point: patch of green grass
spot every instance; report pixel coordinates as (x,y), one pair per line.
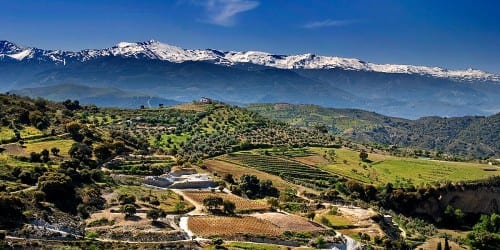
(334,221)
(8,160)
(64,145)
(27,132)
(402,171)
(6,133)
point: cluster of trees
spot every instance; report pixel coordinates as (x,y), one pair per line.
(71,105)
(485,234)
(213,204)
(28,176)
(11,208)
(251,187)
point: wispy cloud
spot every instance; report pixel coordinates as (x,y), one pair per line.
(224,12)
(326,23)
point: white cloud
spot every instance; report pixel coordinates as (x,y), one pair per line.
(326,23)
(223,12)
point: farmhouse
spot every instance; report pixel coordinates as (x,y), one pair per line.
(182,179)
(205,100)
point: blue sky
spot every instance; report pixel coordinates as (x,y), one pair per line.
(454,34)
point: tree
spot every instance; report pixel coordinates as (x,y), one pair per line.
(126,199)
(102,152)
(11,209)
(45,155)
(58,188)
(26,177)
(39,120)
(266,189)
(363,155)
(71,105)
(80,151)
(55,151)
(229,207)
(249,185)
(153,214)
(486,233)
(212,202)
(35,157)
(228,178)
(73,128)
(129,210)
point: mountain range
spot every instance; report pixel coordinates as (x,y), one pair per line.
(170,72)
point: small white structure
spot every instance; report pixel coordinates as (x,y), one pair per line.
(181,179)
(387,219)
(205,100)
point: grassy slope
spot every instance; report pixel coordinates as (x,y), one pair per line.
(386,168)
(382,169)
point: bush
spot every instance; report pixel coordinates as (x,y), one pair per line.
(129,210)
(126,199)
(91,235)
(153,214)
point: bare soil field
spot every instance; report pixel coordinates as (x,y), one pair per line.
(289,222)
(242,205)
(231,225)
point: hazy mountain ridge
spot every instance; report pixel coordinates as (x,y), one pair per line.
(104,97)
(183,75)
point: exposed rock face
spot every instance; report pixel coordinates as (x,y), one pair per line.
(478,201)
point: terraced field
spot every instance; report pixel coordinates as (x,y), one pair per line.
(206,226)
(242,205)
(402,171)
(290,170)
(289,222)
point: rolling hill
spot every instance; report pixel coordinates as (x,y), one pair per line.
(471,136)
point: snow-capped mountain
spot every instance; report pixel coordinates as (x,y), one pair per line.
(155,50)
(170,72)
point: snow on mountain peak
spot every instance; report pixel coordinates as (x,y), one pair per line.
(155,50)
(21,55)
(125,44)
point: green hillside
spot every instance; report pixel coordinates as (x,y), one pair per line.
(468,137)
